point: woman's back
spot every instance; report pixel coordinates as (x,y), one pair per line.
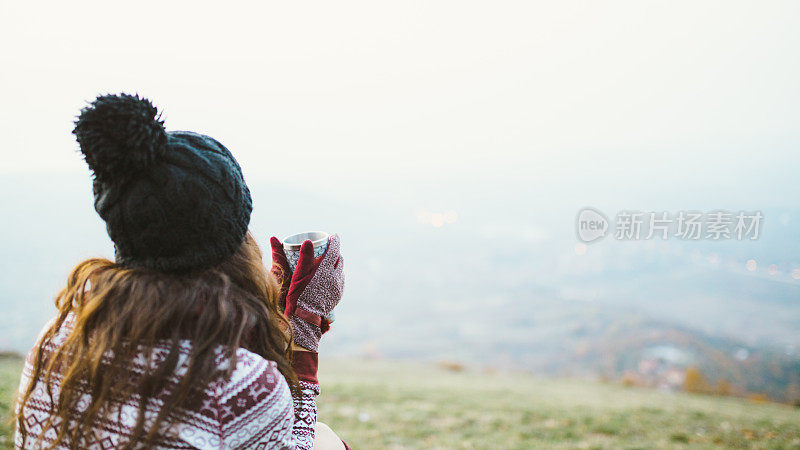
(254,407)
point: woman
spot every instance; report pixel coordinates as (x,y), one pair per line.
(186,340)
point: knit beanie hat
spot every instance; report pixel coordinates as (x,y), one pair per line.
(172,201)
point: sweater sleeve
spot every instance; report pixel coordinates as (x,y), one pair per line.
(305,416)
(305,404)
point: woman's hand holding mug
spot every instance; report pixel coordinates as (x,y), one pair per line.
(312,290)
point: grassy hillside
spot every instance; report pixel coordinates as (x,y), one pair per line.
(400,405)
(404,405)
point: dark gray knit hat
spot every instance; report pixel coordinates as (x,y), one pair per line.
(172,201)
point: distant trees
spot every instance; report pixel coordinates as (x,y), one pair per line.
(758,398)
(695,381)
(723,387)
(793,394)
(453,366)
(629,379)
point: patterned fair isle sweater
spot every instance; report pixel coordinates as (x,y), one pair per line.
(252,410)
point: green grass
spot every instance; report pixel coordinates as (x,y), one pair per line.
(403,405)
(10,369)
(375,405)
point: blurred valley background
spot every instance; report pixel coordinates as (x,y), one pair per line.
(451,145)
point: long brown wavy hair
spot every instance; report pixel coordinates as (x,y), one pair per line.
(119,314)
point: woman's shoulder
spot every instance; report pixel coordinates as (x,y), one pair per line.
(251,406)
(252,372)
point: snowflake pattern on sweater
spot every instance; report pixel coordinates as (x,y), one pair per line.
(254,409)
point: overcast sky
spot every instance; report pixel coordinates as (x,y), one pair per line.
(662,96)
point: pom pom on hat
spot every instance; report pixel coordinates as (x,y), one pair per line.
(120,135)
